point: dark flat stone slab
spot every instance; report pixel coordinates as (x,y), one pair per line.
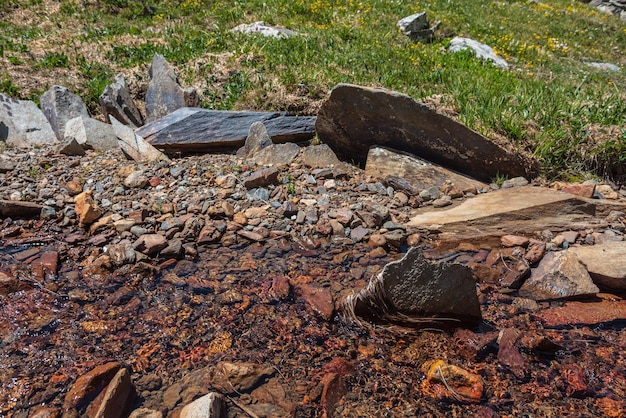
(200,130)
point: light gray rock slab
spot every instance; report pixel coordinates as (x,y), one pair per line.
(319,156)
(257,139)
(91,134)
(277,154)
(383,162)
(414,290)
(116,101)
(22,124)
(165,94)
(604,66)
(201,130)
(559,275)
(606,263)
(262,29)
(480,50)
(60,105)
(134,145)
(354,118)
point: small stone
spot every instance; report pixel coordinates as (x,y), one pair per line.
(318,299)
(446,381)
(514,182)
(87,210)
(514,241)
(262,178)
(136,180)
(150,244)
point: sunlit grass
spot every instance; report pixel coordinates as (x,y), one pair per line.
(548,103)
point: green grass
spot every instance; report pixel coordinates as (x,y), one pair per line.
(568,115)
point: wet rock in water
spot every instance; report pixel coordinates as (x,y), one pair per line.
(580,313)
(116,101)
(414,291)
(509,355)
(354,118)
(576,381)
(60,105)
(164,94)
(446,381)
(145,413)
(88,386)
(318,298)
(122,253)
(606,263)
(9,284)
(116,399)
(558,275)
(472,345)
(208,406)
(232,378)
(86,208)
(44,412)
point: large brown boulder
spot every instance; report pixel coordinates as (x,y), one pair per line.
(354,118)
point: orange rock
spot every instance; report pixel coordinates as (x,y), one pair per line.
(514,241)
(611,407)
(87,210)
(89,385)
(445,381)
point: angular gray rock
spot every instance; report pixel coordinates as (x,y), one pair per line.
(319,156)
(277,154)
(134,145)
(257,139)
(116,101)
(354,118)
(559,275)
(417,28)
(480,50)
(263,29)
(165,95)
(22,124)
(606,263)
(383,162)
(208,406)
(71,147)
(201,130)
(91,134)
(60,105)
(414,291)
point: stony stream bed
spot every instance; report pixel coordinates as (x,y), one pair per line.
(273,304)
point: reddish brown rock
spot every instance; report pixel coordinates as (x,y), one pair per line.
(89,385)
(280,288)
(446,381)
(580,313)
(509,355)
(45,412)
(86,209)
(74,187)
(150,244)
(262,178)
(535,252)
(9,284)
(334,388)
(317,298)
(116,399)
(210,233)
(472,345)
(47,264)
(514,241)
(582,190)
(576,382)
(239,377)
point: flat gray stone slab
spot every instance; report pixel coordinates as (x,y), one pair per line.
(509,211)
(354,118)
(200,130)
